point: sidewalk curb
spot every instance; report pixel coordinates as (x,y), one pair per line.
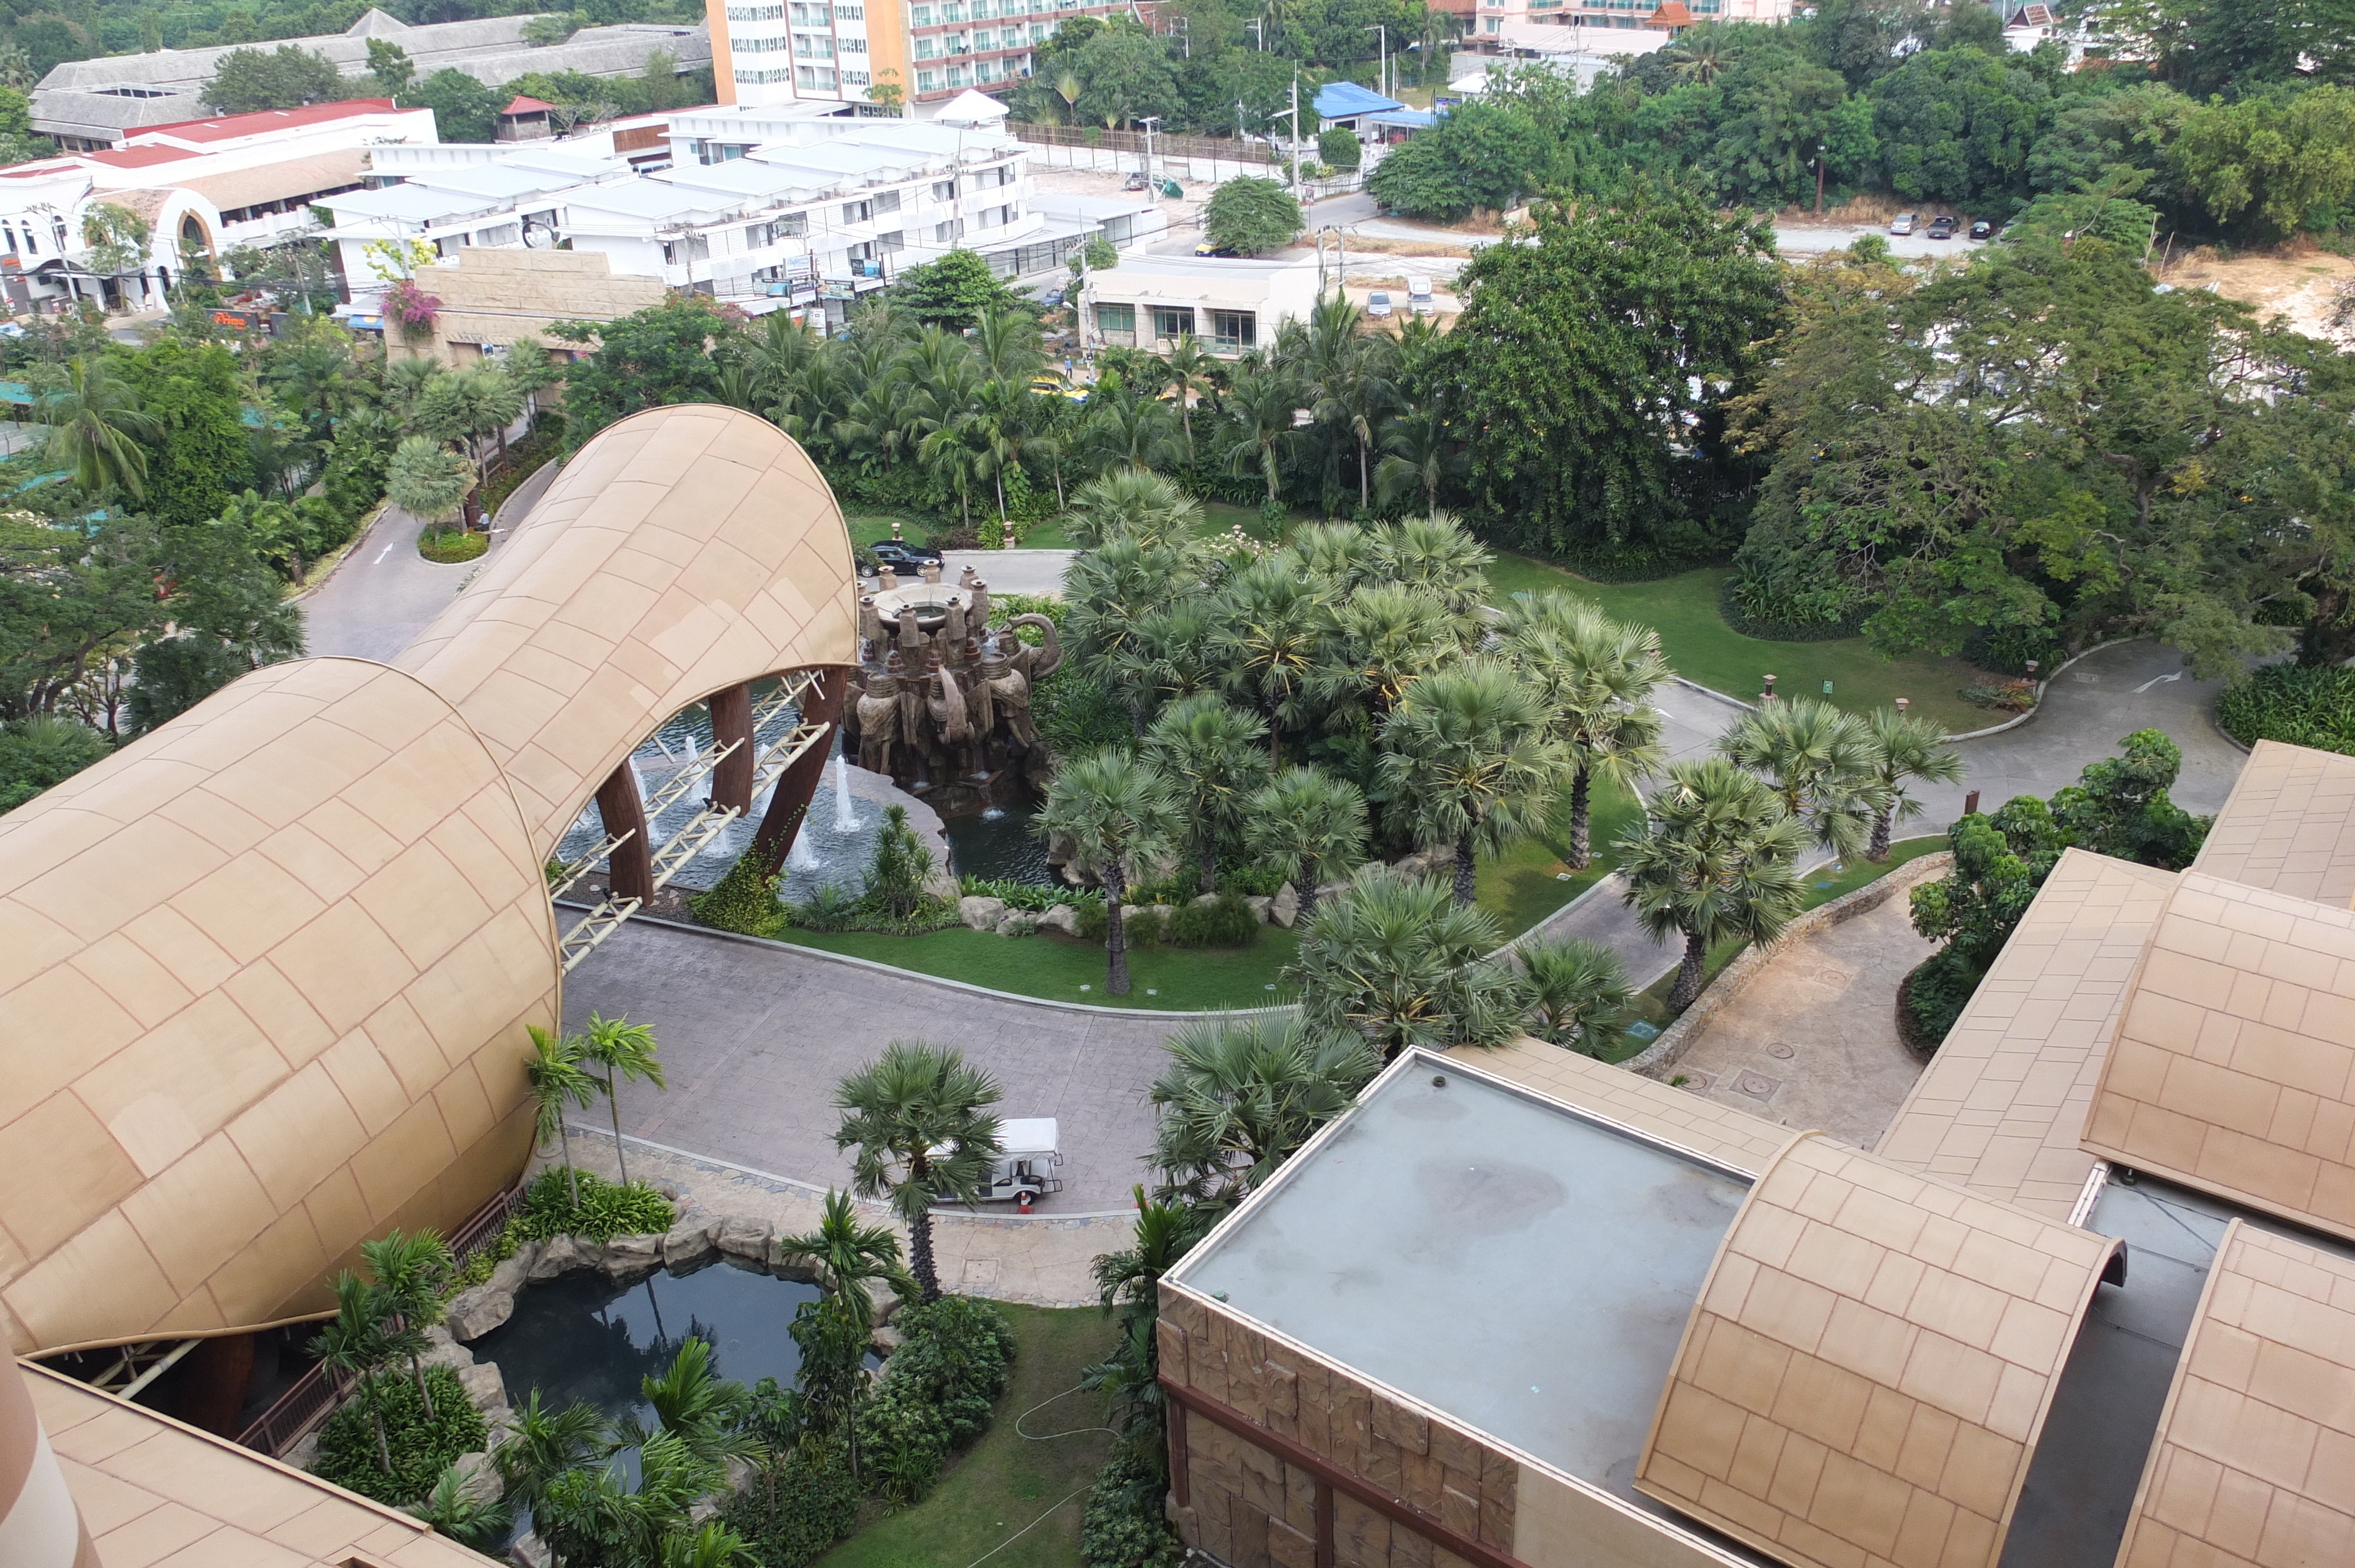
(2041,688)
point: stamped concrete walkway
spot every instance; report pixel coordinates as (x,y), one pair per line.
(1812,1042)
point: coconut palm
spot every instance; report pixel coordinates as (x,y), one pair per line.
(1819,762)
(1311,821)
(693,1404)
(1208,751)
(1192,369)
(1467,754)
(918,1116)
(98,430)
(428,481)
(413,1271)
(1241,1095)
(553,1070)
(624,1050)
(355,1343)
(1578,993)
(1125,426)
(1260,433)
(1715,860)
(1347,373)
(1417,454)
(1595,676)
(1396,959)
(1904,748)
(1111,809)
(848,1253)
(544,1445)
(1127,503)
(1272,638)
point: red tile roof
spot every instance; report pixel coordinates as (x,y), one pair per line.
(523,105)
(228,127)
(139,157)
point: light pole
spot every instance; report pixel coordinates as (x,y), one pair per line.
(1259,30)
(1384,75)
(1149,121)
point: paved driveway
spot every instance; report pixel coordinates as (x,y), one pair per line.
(754,1038)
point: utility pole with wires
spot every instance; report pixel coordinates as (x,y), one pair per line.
(1383,76)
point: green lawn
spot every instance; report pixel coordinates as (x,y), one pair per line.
(1703,649)
(873,528)
(1005,1481)
(1165,979)
(1823,885)
(1532,879)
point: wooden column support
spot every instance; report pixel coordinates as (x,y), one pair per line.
(731,719)
(631,866)
(788,802)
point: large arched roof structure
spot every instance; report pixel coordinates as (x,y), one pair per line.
(267,972)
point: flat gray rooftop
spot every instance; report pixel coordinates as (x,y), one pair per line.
(1491,1253)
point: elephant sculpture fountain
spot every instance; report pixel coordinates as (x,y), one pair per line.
(941,699)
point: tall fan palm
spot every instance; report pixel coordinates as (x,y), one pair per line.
(1904,748)
(1311,821)
(553,1070)
(1434,556)
(1595,676)
(1261,432)
(1467,750)
(1578,993)
(1338,556)
(1136,503)
(428,481)
(1381,640)
(624,1050)
(1241,1095)
(98,429)
(1715,859)
(1272,638)
(412,1270)
(1111,809)
(1820,764)
(1208,751)
(918,1116)
(1395,959)
(1110,591)
(849,1253)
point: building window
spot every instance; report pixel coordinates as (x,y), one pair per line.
(1172,322)
(946,233)
(1233,330)
(956,76)
(927,48)
(1117,324)
(944,190)
(886,201)
(854,78)
(850,12)
(926,80)
(854,45)
(886,244)
(858,211)
(1038,31)
(920,15)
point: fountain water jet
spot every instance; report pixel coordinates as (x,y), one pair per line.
(845,821)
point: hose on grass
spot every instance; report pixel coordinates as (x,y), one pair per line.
(1042,1437)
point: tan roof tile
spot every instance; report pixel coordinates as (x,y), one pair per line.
(2289,825)
(1912,1364)
(1733,1138)
(2254,1465)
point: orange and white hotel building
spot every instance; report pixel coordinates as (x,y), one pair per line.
(769,52)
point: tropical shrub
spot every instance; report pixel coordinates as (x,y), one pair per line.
(37,752)
(2302,704)
(450,546)
(797,1506)
(743,901)
(937,1393)
(1124,1526)
(421,1448)
(607,1209)
(1227,923)
(1034,896)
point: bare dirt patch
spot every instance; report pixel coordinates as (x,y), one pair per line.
(2297,281)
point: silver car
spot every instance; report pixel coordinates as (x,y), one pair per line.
(1903,223)
(1378,303)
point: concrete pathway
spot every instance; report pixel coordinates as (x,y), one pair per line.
(755,1036)
(1012,571)
(1812,1041)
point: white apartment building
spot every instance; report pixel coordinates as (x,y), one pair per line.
(767,210)
(766,53)
(214,184)
(1492,21)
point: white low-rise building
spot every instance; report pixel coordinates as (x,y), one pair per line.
(1230,305)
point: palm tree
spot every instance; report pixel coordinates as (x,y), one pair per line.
(1417,454)
(1129,1282)
(1382,639)
(1271,640)
(1110,591)
(713,1545)
(1260,433)
(624,1050)
(1127,503)
(428,481)
(848,1253)
(692,1403)
(1192,369)
(1820,763)
(1578,993)
(97,428)
(1904,748)
(1595,676)
(1241,1095)
(1309,821)
(1340,556)
(452,1509)
(553,1069)
(1716,859)
(1125,427)
(1396,959)
(1111,809)
(412,1272)
(544,1445)
(1209,752)
(1699,57)
(354,1343)
(1347,374)
(917,1115)
(1435,557)
(1467,750)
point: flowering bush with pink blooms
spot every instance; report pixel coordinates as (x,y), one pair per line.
(412,306)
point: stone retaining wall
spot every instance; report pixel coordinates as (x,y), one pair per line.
(1663,1053)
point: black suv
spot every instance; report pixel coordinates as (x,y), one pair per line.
(902,556)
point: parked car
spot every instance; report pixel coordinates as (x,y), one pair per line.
(902,556)
(1209,249)
(1418,295)
(1903,223)
(1051,298)
(1982,229)
(1378,303)
(1943,227)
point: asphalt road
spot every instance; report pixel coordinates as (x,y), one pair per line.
(382,595)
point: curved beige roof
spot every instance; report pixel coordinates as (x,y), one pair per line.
(2255,1465)
(266,972)
(2289,826)
(1872,1358)
(2234,1070)
(683,550)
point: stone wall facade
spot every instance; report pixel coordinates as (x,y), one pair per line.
(1243,1502)
(496,296)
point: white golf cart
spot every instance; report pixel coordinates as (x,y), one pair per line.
(1026,1165)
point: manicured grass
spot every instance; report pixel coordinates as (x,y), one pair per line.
(1528,882)
(1703,648)
(1824,884)
(873,528)
(1006,1480)
(1163,980)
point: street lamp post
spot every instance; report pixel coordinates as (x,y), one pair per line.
(1384,75)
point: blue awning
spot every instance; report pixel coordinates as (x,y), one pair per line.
(1348,101)
(1407,119)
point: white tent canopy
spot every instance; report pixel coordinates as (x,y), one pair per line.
(971,108)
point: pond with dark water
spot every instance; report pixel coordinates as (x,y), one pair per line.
(999,845)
